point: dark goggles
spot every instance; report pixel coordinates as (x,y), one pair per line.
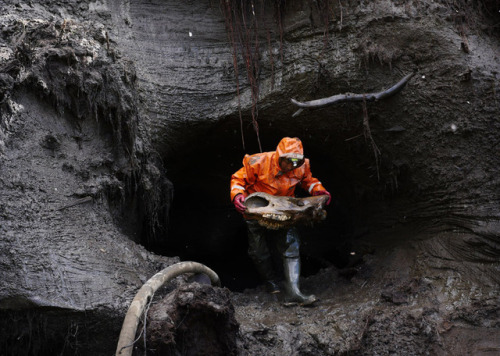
(295,162)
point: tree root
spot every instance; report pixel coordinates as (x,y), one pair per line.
(339,98)
(136,309)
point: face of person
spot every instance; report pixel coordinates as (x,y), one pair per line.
(286,165)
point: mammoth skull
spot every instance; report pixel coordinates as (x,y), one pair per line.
(277,212)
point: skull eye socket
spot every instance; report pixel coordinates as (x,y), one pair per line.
(256,202)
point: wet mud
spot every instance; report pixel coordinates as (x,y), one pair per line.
(195,319)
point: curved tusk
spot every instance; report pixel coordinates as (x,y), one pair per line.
(319,103)
(129,327)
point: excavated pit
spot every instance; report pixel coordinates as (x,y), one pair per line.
(204,226)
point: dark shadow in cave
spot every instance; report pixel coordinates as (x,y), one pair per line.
(205,227)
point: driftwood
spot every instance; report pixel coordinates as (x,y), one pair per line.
(277,212)
(136,309)
(339,98)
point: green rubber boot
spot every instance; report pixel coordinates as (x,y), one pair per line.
(266,272)
(291,268)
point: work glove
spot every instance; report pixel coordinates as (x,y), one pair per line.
(323,192)
(238,203)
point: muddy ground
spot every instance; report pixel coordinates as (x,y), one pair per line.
(120,128)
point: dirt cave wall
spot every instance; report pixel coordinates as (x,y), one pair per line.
(423,176)
(68,156)
(438,140)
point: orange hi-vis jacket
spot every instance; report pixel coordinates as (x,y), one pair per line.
(261,173)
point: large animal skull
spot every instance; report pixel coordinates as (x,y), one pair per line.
(277,212)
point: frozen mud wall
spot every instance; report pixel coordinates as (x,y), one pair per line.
(107,108)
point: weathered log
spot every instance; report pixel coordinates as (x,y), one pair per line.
(339,98)
(129,327)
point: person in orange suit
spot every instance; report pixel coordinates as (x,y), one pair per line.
(278,173)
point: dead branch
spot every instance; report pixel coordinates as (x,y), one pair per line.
(339,98)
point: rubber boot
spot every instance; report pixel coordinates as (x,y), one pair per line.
(291,268)
(266,272)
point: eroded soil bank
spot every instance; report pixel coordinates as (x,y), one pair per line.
(119,131)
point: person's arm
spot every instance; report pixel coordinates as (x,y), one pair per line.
(239,183)
(246,175)
(241,180)
(313,185)
(238,189)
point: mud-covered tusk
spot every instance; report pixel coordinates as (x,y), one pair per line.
(129,327)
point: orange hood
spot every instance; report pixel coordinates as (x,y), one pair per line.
(289,145)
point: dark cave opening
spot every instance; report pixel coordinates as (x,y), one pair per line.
(205,227)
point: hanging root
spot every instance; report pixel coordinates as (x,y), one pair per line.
(129,327)
(368,136)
